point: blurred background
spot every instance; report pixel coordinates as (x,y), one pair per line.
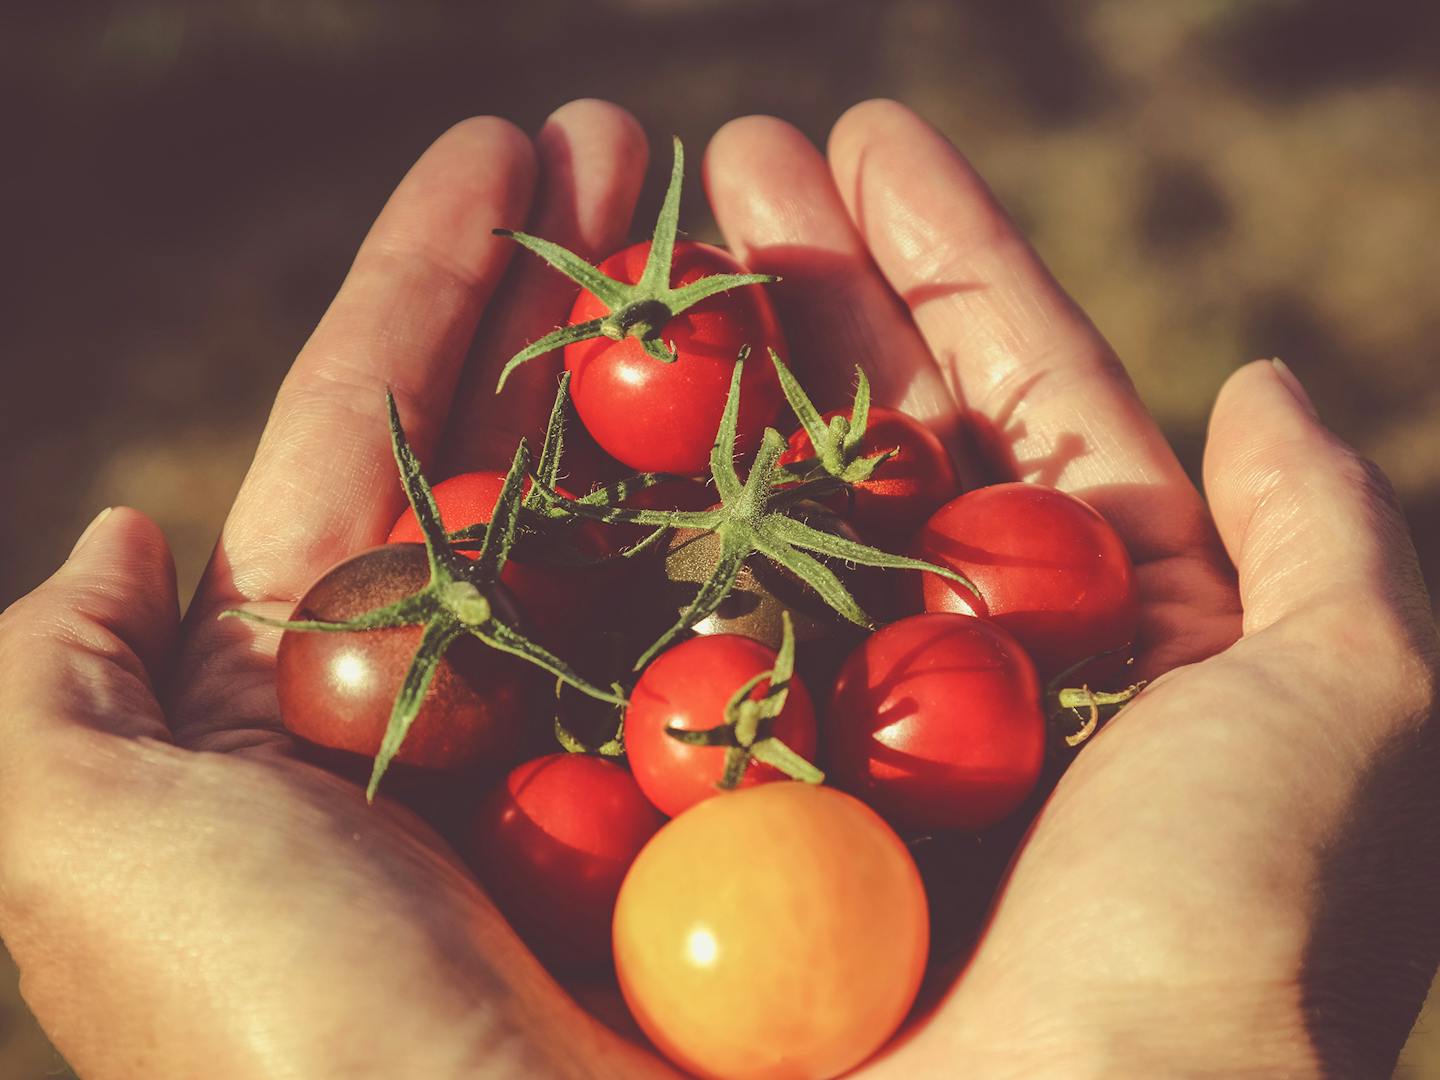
(1214,180)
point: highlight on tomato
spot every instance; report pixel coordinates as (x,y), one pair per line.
(691,690)
(1049,569)
(779,930)
(937,722)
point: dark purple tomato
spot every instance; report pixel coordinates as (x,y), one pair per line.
(337,689)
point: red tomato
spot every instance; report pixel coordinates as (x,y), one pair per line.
(906,488)
(337,689)
(552,844)
(778,931)
(936,722)
(547,594)
(659,417)
(688,687)
(1051,570)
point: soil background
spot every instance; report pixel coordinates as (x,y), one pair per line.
(185,183)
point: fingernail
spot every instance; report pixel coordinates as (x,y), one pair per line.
(91,528)
(1293,385)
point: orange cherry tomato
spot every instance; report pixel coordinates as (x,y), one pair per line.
(772,932)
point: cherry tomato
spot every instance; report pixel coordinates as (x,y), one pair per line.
(777,931)
(688,687)
(660,417)
(936,722)
(905,489)
(552,844)
(337,689)
(1051,570)
(547,593)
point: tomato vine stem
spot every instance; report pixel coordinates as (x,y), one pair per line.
(754,517)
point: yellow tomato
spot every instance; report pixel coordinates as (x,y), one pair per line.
(775,931)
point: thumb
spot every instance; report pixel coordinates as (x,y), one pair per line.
(96,639)
(1307,521)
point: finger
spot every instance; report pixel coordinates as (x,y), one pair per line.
(592,162)
(775,201)
(1048,397)
(1308,522)
(87,648)
(323,482)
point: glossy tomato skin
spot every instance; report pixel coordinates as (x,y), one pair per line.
(936,722)
(659,417)
(547,593)
(688,687)
(552,844)
(775,931)
(1050,570)
(337,689)
(903,491)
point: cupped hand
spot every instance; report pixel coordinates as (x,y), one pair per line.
(1238,875)
(183,895)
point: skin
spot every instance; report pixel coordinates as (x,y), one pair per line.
(1241,867)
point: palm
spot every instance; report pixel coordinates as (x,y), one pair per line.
(1190,604)
(247,912)
(1209,795)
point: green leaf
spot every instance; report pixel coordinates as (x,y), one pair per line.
(801,405)
(417,489)
(568,742)
(687,296)
(778,755)
(566,335)
(409,611)
(859,414)
(818,576)
(651,539)
(658,350)
(680,519)
(712,593)
(500,532)
(801,535)
(755,495)
(741,695)
(548,468)
(617,491)
(736,758)
(656,277)
(782,672)
(433,643)
(722,450)
(606,289)
(499,636)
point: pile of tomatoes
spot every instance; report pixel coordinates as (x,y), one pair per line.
(693,697)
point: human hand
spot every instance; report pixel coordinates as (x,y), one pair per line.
(238,912)
(1240,875)
(183,895)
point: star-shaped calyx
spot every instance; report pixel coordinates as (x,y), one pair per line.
(640,310)
(755,517)
(463,596)
(745,732)
(836,444)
